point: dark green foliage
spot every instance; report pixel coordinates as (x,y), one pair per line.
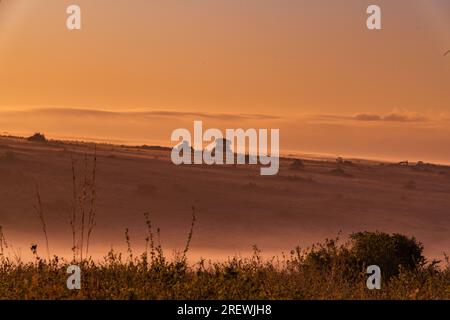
(389,252)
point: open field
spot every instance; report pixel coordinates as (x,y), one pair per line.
(236,207)
(143,210)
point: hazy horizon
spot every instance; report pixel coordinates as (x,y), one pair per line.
(299,135)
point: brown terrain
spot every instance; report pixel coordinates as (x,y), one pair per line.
(236,207)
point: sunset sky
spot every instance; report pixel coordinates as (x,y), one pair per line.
(139,69)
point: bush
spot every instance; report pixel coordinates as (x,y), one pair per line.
(37,137)
(389,252)
(297,164)
(9,155)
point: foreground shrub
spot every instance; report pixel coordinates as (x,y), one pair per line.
(326,271)
(389,252)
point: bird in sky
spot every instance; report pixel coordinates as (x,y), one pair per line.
(446,53)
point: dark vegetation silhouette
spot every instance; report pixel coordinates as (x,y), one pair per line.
(37,137)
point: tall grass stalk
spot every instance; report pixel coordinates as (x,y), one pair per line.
(40,213)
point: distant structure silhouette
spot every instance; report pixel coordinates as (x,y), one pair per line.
(221,150)
(223,146)
(183,144)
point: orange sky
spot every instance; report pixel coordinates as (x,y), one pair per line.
(142,68)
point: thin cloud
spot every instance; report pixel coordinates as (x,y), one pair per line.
(367,117)
(395,116)
(146,113)
(399,116)
(328,117)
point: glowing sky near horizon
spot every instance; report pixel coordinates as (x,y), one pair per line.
(312,67)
